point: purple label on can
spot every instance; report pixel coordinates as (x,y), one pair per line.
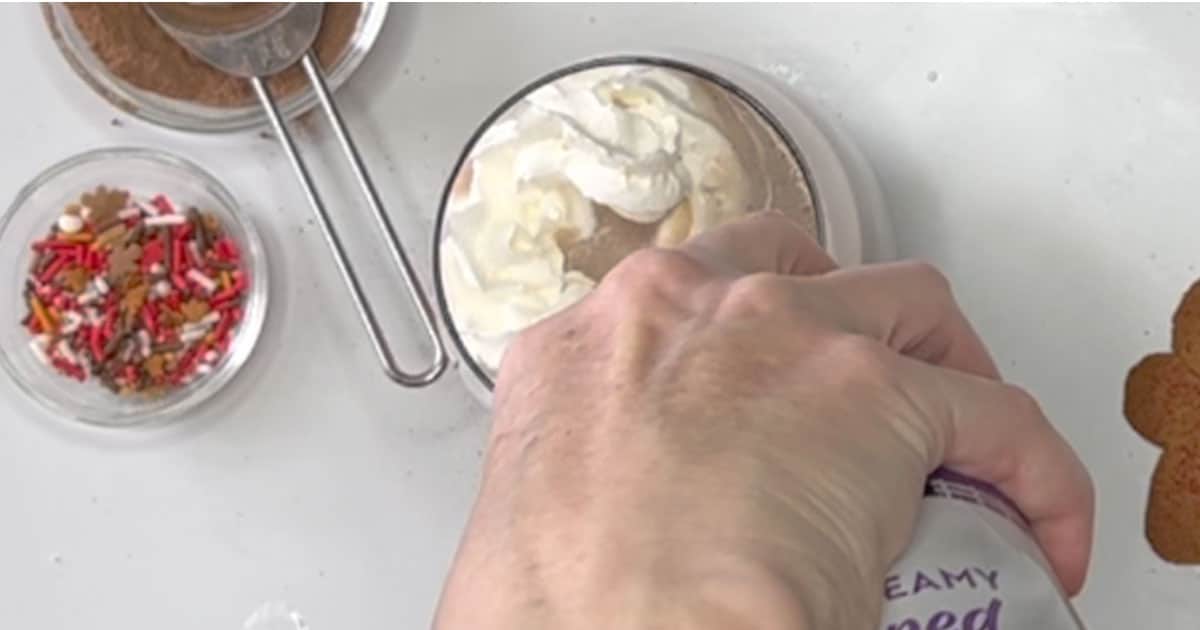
(948,484)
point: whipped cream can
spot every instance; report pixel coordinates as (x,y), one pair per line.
(973,565)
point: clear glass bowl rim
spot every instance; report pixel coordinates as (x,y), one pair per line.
(129,99)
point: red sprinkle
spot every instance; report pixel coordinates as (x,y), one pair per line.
(185,366)
(190,257)
(150,318)
(110,322)
(162,204)
(52,270)
(152,253)
(224,326)
(53,244)
(224,298)
(227,250)
(97,343)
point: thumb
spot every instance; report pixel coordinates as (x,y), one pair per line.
(997,433)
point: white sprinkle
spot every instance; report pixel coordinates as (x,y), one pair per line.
(72,322)
(39,351)
(206,283)
(92,315)
(86,213)
(146,208)
(132,212)
(144,341)
(88,296)
(67,353)
(162,288)
(101,285)
(202,369)
(194,327)
(70,223)
(210,319)
(157,269)
(193,335)
(165,219)
(211,356)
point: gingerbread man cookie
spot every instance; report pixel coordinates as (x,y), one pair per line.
(1162,403)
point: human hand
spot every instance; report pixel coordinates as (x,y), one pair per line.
(735,435)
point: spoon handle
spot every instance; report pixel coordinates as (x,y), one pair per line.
(382,349)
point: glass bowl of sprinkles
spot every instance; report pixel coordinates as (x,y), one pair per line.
(135,287)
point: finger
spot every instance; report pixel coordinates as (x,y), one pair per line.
(910,307)
(997,433)
(761,242)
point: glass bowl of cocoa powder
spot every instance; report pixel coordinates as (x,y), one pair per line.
(122,54)
(111,182)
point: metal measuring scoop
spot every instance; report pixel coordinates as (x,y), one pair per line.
(257,44)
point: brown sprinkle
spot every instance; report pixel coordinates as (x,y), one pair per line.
(123,261)
(202,235)
(134,235)
(194,310)
(134,298)
(75,279)
(155,366)
(110,234)
(105,203)
(167,349)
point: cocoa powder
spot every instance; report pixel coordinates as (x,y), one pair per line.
(136,50)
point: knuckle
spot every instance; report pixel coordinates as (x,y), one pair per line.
(859,358)
(1022,402)
(928,275)
(647,272)
(757,293)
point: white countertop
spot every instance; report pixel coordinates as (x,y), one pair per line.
(1045,156)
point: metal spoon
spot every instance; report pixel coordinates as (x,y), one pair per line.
(259,46)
